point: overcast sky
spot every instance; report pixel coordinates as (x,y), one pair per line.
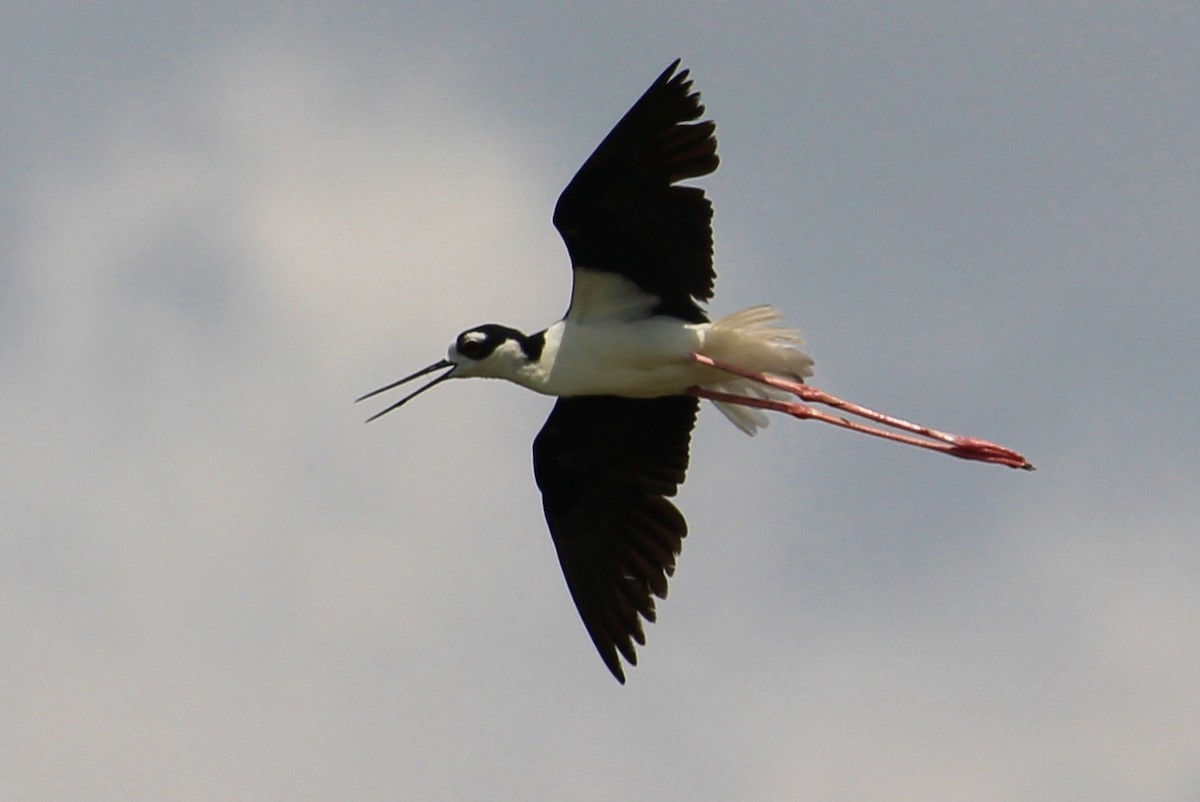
(220,226)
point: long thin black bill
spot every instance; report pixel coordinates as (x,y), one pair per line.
(435,366)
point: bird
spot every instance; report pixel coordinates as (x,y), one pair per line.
(631,359)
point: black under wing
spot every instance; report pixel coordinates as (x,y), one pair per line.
(622,212)
(605,466)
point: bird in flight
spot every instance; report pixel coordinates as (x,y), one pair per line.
(632,357)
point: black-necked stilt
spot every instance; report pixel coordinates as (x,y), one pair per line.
(633,355)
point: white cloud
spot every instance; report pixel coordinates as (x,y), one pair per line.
(197,503)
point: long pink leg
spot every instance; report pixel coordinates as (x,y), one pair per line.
(955,445)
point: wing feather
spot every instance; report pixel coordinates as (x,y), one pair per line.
(623,213)
(605,466)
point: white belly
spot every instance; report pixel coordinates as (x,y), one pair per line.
(653,356)
(639,359)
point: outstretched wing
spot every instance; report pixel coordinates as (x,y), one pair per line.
(623,213)
(605,466)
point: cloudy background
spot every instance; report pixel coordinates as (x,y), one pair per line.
(219,226)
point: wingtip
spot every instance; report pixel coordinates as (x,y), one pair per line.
(675,74)
(613,663)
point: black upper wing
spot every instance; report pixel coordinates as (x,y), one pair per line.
(604,465)
(622,214)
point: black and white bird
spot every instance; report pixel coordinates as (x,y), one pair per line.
(631,358)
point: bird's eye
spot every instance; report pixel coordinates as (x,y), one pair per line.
(470,347)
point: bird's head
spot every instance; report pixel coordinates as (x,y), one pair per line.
(489,351)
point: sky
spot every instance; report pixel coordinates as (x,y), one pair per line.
(220,223)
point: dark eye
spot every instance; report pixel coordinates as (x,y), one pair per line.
(470,347)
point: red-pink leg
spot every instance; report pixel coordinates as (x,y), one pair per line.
(955,445)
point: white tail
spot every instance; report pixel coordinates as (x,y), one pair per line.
(748,339)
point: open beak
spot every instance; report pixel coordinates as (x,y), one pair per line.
(443,363)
